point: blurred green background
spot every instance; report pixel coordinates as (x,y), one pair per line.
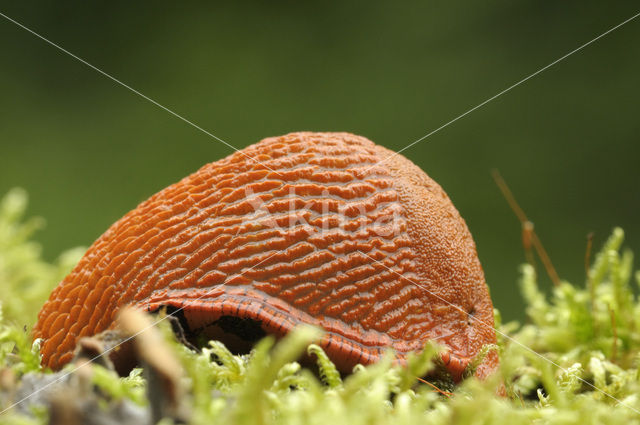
(567,141)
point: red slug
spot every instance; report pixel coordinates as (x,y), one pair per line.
(326,229)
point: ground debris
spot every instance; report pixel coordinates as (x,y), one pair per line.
(70,399)
(161,368)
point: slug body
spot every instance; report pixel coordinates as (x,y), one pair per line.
(326,229)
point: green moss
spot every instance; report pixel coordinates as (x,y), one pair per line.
(575,360)
(25,279)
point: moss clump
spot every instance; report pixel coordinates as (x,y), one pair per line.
(576,360)
(25,279)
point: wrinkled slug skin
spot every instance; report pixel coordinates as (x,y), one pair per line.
(374,253)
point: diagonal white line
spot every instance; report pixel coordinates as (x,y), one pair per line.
(60,378)
(109,76)
(505,90)
(501,333)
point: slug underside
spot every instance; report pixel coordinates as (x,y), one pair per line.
(326,229)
